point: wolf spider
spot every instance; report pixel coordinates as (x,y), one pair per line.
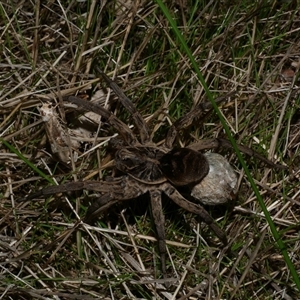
(148,168)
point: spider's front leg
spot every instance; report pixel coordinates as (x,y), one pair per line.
(121,188)
(139,121)
(116,190)
(121,127)
(198,112)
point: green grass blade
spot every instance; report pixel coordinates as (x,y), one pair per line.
(31,165)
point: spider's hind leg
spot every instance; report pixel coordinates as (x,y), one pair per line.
(159,220)
(173,194)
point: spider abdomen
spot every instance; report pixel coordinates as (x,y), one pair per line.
(184,166)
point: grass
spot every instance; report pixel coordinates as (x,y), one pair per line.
(51,50)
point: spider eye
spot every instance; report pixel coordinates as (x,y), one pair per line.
(184,166)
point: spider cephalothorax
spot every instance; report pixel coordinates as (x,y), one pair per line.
(148,168)
(141,163)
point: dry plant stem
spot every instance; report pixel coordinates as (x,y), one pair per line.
(254,255)
(37,96)
(183,277)
(10,136)
(9,116)
(52,66)
(134,7)
(263,85)
(139,236)
(141,265)
(138,52)
(35,48)
(282,114)
(85,38)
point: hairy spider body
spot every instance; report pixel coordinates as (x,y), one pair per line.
(152,169)
(141,163)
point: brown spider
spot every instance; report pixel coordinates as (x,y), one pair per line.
(153,169)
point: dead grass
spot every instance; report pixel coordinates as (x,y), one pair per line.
(49,51)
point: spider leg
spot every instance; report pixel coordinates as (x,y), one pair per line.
(116,190)
(121,187)
(185,121)
(159,220)
(219,142)
(56,189)
(127,103)
(102,203)
(171,192)
(121,127)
